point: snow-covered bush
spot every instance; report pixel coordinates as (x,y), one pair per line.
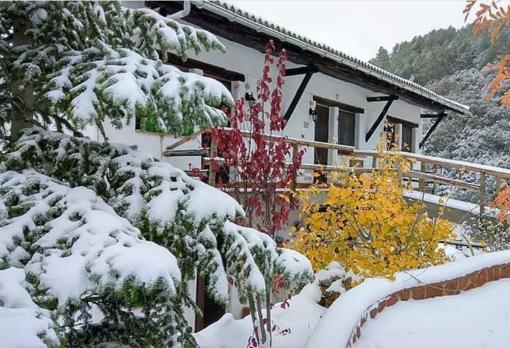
(292,320)
(23,323)
(292,323)
(77,253)
(334,281)
(490,232)
(86,207)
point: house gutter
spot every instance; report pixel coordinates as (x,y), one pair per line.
(186,9)
(221,11)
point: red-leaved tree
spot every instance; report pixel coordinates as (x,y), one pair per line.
(259,162)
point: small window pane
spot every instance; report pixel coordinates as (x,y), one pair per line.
(346,124)
(407,138)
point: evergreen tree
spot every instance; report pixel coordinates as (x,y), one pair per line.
(441,53)
(78,63)
(456,64)
(100,239)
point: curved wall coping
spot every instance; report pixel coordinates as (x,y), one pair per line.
(340,325)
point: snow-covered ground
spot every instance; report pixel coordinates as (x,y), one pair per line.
(477,318)
(292,322)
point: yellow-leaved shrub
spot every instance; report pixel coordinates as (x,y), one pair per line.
(364,222)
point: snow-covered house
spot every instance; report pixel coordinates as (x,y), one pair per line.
(328,96)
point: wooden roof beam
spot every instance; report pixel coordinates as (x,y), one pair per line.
(311,69)
(432,129)
(382,98)
(436,115)
(389,100)
(301,70)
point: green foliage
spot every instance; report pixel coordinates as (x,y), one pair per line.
(167,206)
(73,229)
(87,62)
(442,52)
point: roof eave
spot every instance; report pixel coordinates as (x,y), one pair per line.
(353,62)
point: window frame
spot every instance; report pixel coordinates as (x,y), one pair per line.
(409,125)
(342,107)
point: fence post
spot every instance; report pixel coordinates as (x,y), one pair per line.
(482,193)
(421,185)
(212,155)
(498,184)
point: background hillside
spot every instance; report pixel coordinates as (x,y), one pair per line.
(456,64)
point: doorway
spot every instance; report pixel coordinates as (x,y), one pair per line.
(322,135)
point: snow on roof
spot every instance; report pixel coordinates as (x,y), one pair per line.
(249,20)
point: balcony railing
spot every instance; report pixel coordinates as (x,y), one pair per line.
(426,172)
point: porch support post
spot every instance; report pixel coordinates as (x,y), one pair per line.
(389,100)
(432,129)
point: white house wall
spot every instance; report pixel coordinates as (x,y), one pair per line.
(249,62)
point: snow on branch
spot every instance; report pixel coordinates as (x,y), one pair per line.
(119,83)
(23,323)
(132,182)
(73,23)
(187,216)
(155,32)
(73,243)
(90,61)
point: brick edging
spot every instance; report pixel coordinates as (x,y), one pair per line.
(444,288)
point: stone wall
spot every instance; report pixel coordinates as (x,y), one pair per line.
(425,291)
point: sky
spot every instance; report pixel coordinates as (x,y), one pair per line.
(359,27)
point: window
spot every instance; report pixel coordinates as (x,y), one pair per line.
(407,138)
(346,132)
(404,140)
(346,128)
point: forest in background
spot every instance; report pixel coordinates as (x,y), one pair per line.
(458,65)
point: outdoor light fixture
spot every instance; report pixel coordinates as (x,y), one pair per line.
(312,111)
(248,96)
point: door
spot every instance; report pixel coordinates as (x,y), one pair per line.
(403,140)
(322,135)
(391,134)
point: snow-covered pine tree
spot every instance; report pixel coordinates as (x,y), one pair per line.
(82,261)
(76,215)
(76,63)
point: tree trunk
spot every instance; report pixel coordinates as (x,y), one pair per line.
(22,105)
